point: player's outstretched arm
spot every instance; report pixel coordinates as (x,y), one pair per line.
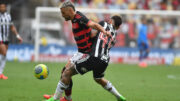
(93,33)
(98,27)
(13,29)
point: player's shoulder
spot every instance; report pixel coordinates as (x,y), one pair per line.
(102,23)
(8,14)
(5,14)
(79,15)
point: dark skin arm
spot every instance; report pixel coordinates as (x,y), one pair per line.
(13,29)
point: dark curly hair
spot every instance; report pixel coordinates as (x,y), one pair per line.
(117,20)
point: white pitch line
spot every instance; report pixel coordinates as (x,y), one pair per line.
(170,76)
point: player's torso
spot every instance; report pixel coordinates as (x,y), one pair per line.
(5,22)
(102,43)
(142,34)
(81,34)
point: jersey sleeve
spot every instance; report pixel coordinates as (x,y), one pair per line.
(10,19)
(101,23)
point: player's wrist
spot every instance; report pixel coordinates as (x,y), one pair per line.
(105,32)
(18,36)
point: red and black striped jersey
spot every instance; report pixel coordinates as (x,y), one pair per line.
(82,32)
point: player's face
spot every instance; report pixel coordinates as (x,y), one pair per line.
(66,14)
(2,8)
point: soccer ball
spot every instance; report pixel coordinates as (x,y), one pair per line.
(41,71)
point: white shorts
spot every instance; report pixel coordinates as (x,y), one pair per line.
(79,58)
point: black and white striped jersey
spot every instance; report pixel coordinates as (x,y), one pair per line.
(102,44)
(5,23)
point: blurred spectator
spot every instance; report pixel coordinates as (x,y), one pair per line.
(162,32)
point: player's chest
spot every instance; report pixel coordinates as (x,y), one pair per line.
(4,18)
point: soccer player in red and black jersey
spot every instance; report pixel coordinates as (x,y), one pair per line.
(82,27)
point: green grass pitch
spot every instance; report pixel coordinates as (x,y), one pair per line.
(155,83)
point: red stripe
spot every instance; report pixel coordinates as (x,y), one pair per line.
(89,44)
(78,16)
(75,25)
(83,40)
(88,22)
(82,32)
(88,50)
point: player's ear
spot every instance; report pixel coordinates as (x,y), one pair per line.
(70,9)
(111,21)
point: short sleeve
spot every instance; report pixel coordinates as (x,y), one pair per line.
(9,18)
(101,23)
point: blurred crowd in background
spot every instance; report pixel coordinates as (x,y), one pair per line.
(130,4)
(163,31)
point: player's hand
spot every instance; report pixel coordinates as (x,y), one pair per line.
(19,38)
(108,33)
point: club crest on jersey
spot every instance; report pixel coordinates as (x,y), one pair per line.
(75,25)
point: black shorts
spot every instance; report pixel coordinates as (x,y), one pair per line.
(88,63)
(4,42)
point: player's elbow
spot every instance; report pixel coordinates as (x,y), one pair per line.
(93,25)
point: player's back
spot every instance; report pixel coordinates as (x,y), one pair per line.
(102,43)
(142,37)
(82,32)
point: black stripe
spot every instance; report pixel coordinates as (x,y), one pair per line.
(84,50)
(6,26)
(2,31)
(82,44)
(0,27)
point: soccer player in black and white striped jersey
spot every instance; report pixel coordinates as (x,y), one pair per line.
(99,56)
(102,43)
(91,58)
(5,26)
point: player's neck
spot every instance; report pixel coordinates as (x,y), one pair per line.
(2,12)
(73,15)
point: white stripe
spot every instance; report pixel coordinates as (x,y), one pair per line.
(4,30)
(0,29)
(97,47)
(102,52)
(83,59)
(98,42)
(7,27)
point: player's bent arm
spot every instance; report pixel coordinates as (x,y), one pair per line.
(93,33)
(13,29)
(98,27)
